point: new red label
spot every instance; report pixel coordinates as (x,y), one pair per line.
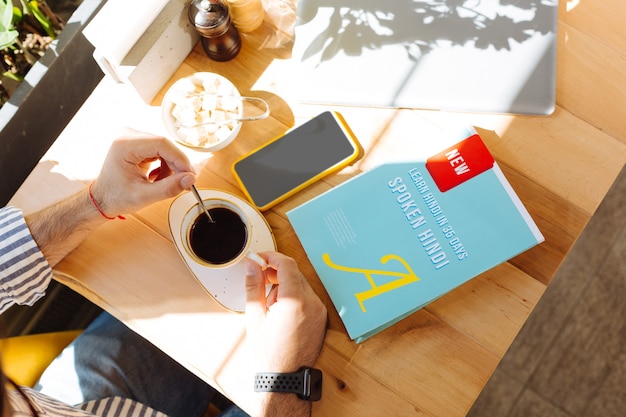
(459,163)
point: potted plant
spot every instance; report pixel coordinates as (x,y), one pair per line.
(26,31)
(44,96)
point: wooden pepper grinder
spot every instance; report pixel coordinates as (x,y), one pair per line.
(220,38)
(247,15)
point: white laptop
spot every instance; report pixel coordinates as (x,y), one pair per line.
(458,55)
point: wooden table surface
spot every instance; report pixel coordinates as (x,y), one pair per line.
(433,363)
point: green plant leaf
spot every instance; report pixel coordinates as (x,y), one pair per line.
(8,38)
(6,15)
(32,8)
(12,76)
(18,16)
(8,34)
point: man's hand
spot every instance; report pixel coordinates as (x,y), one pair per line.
(139,170)
(286,330)
(128,181)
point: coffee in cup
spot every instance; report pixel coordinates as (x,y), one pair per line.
(221,241)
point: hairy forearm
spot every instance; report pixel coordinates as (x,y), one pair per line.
(59,229)
(281,404)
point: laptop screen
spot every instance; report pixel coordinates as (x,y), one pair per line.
(458,55)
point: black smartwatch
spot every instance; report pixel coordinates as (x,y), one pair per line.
(306,383)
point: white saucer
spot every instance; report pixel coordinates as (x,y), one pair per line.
(226,284)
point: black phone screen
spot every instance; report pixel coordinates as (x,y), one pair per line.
(300,156)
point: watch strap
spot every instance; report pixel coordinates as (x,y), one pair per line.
(306,383)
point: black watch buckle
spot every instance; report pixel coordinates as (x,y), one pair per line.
(306,383)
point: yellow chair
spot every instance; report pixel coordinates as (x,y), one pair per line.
(24,358)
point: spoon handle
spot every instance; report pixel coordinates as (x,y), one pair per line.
(201,203)
(252,108)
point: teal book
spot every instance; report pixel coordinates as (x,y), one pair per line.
(392,239)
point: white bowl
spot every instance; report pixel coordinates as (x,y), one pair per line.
(181,106)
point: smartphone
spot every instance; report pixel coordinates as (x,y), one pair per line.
(291,162)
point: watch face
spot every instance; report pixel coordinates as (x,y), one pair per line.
(312,384)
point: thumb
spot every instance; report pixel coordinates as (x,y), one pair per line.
(171,186)
(255,290)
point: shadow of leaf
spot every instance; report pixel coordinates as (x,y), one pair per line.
(421,26)
(317,45)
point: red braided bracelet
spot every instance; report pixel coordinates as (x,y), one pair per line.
(95,203)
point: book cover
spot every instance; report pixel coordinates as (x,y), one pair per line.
(395,238)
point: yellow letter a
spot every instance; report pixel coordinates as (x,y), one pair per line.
(404,278)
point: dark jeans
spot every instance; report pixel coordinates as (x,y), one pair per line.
(108,359)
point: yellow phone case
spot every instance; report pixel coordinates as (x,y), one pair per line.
(339,165)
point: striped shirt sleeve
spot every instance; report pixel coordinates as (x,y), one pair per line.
(106,407)
(24,272)
(119,407)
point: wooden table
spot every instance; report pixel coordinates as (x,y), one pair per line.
(435,362)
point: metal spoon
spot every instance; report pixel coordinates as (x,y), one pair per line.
(201,203)
(262,110)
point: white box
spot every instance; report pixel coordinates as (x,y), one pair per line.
(142,43)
